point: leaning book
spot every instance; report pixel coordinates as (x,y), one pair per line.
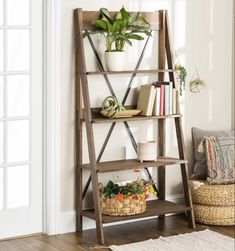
(146,99)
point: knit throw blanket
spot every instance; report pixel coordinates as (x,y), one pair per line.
(220,154)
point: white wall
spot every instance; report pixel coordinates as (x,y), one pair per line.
(202,34)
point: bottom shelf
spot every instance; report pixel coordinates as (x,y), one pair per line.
(154,208)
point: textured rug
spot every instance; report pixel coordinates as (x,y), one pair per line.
(197,241)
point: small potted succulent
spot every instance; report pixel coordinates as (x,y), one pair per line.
(118,31)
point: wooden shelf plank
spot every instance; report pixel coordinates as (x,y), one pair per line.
(134,118)
(129,71)
(153,18)
(154,208)
(118,165)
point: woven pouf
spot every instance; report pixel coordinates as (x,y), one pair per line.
(213,204)
(214,215)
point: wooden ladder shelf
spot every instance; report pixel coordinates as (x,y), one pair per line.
(159,22)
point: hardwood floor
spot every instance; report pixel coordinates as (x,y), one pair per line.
(118,234)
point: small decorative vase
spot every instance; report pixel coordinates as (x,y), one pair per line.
(114,60)
(147,151)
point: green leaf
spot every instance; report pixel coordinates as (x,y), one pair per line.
(117,25)
(134,36)
(108,24)
(119,15)
(139,26)
(142,20)
(146,32)
(100,24)
(106,14)
(125,15)
(133,18)
(128,42)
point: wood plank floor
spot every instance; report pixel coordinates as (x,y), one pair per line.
(118,234)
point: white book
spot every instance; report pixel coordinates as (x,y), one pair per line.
(156,108)
(170,98)
(174,99)
(167,90)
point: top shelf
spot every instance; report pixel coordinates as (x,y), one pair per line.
(129,71)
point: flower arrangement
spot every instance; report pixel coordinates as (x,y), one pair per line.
(121,199)
(134,189)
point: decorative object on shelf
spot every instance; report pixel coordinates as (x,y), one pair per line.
(123,114)
(147,151)
(128,199)
(181,77)
(118,31)
(111,107)
(115,60)
(196,84)
(146,99)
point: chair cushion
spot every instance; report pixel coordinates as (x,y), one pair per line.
(200,161)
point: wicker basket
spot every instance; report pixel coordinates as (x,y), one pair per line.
(214,215)
(214,195)
(129,206)
(213,204)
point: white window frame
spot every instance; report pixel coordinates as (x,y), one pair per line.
(51,176)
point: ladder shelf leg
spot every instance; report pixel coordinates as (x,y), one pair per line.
(80,57)
(184,172)
(96,201)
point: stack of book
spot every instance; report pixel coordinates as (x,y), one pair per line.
(158,99)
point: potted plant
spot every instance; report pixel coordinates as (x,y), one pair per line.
(181,75)
(128,199)
(117,32)
(196,84)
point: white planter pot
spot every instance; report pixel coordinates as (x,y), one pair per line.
(114,60)
(147,151)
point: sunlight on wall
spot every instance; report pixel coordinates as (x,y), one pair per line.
(210,66)
(179,24)
(211,17)
(178,31)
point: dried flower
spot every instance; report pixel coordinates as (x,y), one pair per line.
(119,197)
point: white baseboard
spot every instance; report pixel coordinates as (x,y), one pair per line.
(67,219)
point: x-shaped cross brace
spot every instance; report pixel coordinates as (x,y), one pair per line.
(134,144)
